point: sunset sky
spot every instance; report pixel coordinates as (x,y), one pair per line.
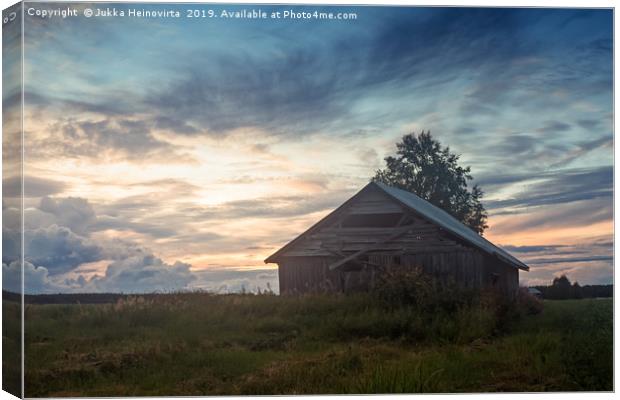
(172,153)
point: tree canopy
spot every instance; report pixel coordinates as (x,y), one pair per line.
(561,289)
(423,166)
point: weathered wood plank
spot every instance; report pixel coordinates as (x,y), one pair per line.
(397,232)
(374,208)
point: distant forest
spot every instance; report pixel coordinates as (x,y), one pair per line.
(69,298)
(562,289)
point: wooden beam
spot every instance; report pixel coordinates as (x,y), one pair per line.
(397,233)
(340,254)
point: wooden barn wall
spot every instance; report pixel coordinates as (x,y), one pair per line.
(464,267)
(308,274)
(500,275)
(468,268)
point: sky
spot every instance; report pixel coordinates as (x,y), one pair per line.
(168,154)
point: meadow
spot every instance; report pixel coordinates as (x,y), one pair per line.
(203,344)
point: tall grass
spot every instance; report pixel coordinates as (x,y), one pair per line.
(11,347)
(202,344)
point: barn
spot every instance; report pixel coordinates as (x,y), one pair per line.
(382,228)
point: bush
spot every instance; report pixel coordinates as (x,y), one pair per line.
(404,287)
(443,311)
(527,303)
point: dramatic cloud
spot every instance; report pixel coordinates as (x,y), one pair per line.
(211,145)
(37,187)
(55,254)
(36,279)
(74,213)
(143,275)
(588,261)
(562,187)
(58,249)
(584,148)
(109,138)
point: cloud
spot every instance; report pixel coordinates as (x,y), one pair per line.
(55,252)
(58,241)
(586,273)
(570,260)
(102,136)
(174,125)
(554,127)
(584,148)
(34,186)
(79,216)
(148,274)
(36,279)
(111,137)
(523,84)
(72,212)
(103,105)
(231,280)
(516,145)
(177,186)
(533,249)
(270,91)
(58,249)
(208,228)
(287,83)
(589,261)
(589,124)
(563,215)
(157,230)
(11,277)
(558,187)
(276,207)
(143,274)
(137,274)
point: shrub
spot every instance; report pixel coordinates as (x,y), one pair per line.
(527,303)
(444,311)
(402,287)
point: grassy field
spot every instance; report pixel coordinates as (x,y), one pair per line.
(199,344)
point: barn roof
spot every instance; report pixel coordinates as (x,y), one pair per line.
(449,223)
(430,212)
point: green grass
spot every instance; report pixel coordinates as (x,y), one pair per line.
(11,347)
(198,344)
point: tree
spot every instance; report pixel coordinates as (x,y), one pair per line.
(561,288)
(577,291)
(422,166)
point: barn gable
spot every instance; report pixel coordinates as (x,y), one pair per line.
(381,219)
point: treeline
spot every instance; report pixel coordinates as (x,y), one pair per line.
(562,289)
(69,298)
